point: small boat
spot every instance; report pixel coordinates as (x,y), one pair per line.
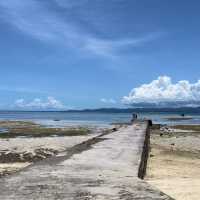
(56,120)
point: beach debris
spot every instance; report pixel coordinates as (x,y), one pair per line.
(114,129)
(166,129)
(38,154)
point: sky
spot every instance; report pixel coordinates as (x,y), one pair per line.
(66,54)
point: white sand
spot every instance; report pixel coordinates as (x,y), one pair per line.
(12,167)
(174,169)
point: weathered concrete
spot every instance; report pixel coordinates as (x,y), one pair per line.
(102,168)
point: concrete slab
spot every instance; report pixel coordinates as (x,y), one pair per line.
(103,168)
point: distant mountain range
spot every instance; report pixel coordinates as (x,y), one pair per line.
(141,110)
(180,110)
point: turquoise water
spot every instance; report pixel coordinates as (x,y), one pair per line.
(91,118)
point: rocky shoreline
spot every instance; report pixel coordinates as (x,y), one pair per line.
(23,143)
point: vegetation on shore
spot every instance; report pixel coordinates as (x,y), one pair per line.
(30,129)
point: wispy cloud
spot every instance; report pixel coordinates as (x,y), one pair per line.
(112,47)
(108,101)
(22,90)
(32,17)
(70,3)
(162,92)
(37,104)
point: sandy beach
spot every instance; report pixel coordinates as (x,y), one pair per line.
(174,161)
(173,165)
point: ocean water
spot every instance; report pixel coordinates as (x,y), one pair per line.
(61,119)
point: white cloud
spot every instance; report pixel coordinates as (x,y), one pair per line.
(108,101)
(37,103)
(162,92)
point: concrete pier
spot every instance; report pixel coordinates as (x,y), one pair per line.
(103,168)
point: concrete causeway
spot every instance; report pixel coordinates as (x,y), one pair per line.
(103,168)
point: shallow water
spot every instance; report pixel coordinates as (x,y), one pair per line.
(60,119)
(3,130)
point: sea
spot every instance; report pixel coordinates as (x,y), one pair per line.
(63,118)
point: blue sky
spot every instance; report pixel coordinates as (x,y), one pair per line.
(94,53)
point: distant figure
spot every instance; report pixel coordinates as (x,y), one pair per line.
(182,115)
(134,117)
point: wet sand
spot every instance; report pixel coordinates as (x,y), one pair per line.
(174,162)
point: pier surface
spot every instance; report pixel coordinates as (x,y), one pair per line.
(105,167)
